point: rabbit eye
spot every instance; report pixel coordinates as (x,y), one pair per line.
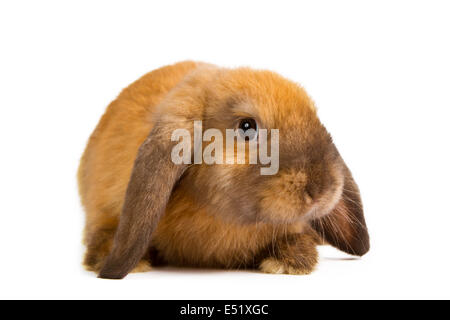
(248,128)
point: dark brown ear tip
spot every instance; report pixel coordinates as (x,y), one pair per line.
(111,275)
(113,271)
(359,248)
(360,251)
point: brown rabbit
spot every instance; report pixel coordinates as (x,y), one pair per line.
(142,208)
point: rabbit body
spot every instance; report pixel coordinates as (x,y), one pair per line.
(188,232)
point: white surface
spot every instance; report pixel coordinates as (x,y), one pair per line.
(379,73)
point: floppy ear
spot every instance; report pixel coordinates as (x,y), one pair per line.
(152,180)
(344,227)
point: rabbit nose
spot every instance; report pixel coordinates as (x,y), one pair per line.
(298,184)
(312,191)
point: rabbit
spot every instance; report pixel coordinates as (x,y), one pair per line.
(143,210)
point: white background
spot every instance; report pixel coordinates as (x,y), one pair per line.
(379,72)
